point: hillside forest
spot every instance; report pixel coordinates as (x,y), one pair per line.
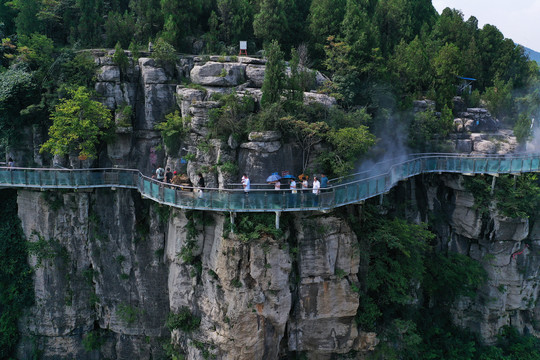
(378,56)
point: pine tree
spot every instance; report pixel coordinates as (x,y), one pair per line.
(274,75)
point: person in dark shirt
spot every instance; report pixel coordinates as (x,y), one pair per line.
(324,181)
(168,176)
(200,185)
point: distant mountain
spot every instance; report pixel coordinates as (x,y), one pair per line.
(533,55)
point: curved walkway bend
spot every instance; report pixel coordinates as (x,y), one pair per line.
(343,191)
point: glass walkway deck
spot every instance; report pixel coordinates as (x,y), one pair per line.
(342,191)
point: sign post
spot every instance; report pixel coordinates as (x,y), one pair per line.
(243,48)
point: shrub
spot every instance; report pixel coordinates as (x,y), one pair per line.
(93,341)
(183,320)
(172,130)
(120,58)
(164,52)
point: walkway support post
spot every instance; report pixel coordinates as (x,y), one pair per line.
(493,185)
(232,221)
(278,214)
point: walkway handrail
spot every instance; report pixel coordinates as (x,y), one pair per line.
(342,191)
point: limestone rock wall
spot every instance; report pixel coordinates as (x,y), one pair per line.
(108,266)
(507,249)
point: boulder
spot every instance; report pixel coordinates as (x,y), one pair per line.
(108,73)
(265,136)
(251,60)
(262,146)
(458,125)
(152,75)
(326,100)
(505,228)
(255,75)
(459,104)
(464,146)
(218,74)
(485,147)
(423,105)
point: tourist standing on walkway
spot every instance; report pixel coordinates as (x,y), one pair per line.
(292,195)
(11,163)
(316,191)
(324,181)
(246,184)
(200,185)
(168,175)
(160,173)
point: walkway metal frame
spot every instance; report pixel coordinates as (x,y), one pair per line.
(351,189)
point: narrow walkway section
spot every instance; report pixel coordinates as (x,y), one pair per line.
(343,191)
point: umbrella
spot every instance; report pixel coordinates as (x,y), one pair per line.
(289,177)
(303,177)
(273,177)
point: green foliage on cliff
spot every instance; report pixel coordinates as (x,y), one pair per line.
(405,288)
(513,196)
(16,291)
(183,320)
(79,123)
(172,130)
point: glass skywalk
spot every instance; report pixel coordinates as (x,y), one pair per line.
(342,191)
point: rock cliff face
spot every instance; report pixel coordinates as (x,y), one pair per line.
(110,266)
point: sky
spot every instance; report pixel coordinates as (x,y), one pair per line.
(517,19)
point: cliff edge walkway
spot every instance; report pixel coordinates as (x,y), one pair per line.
(341,191)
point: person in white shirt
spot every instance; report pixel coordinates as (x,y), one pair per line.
(316,191)
(292,195)
(246,183)
(316,186)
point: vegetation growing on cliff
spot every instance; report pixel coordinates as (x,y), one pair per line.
(15,274)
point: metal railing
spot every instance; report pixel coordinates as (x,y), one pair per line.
(343,191)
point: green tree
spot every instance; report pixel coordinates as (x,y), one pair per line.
(348,144)
(120,58)
(499,99)
(164,52)
(236,17)
(79,123)
(181,19)
(447,66)
(426,130)
(306,135)
(119,28)
(411,68)
(325,18)
(36,50)
(79,70)
(18,91)
(274,75)
(90,22)
(27,21)
(149,18)
(270,23)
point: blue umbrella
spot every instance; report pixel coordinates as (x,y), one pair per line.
(273,177)
(288,176)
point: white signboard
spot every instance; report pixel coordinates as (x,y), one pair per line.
(243,45)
